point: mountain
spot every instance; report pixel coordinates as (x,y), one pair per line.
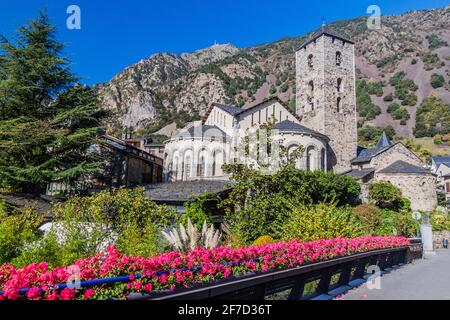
(394,64)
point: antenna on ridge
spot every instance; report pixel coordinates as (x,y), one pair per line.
(323,23)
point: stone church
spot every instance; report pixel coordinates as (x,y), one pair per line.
(324,124)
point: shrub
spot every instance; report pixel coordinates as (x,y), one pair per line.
(388,97)
(433,117)
(17,229)
(370,216)
(397,223)
(410,100)
(393,107)
(385,195)
(438,221)
(437,80)
(86,225)
(200,209)
(263,240)
(322,221)
(434,41)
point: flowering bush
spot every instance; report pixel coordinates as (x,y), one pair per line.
(174,269)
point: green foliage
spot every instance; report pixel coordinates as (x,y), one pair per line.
(401,114)
(434,41)
(433,117)
(385,195)
(387,60)
(85,225)
(263,240)
(431,61)
(397,223)
(410,100)
(259,204)
(393,107)
(200,209)
(389,97)
(16,230)
(365,107)
(50,120)
(322,221)
(404,89)
(437,80)
(370,216)
(368,136)
(273,89)
(375,88)
(438,221)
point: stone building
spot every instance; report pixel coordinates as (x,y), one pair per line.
(326,98)
(324,123)
(395,163)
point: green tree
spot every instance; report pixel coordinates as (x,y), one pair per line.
(385,195)
(47,121)
(437,80)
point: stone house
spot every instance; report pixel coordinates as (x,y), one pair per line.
(395,163)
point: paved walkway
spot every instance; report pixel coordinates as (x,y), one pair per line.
(427,279)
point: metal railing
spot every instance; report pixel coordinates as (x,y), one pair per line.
(322,280)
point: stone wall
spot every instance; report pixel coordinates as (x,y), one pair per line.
(395,153)
(338,123)
(420,189)
(438,236)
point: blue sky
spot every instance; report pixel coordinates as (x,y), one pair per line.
(115,34)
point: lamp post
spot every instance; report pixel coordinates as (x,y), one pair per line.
(416,216)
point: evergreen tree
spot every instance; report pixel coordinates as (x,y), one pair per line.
(47,121)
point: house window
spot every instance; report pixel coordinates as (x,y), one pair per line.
(280,116)
(447,187)
(187,169)
(310,61)
(252,119)
(338,58)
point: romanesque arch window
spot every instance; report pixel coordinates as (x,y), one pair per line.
(201,166)
(310,61)
(322,159)
(187,167)
(311,158)
(338,58)
(338,104)
(339,85)
(175,166)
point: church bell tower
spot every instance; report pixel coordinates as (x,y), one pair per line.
(326,97)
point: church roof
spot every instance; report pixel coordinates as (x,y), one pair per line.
(325,30)
(287,125)
(401,166)
(367,154)
(360,173)
(204,131)
(180,191)
(230,109)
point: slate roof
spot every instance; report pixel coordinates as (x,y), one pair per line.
(325,30)
(205,131)
(230,109)
(179,192)
(366,155)
(401,166)
(360,173)
(235,111)
(442,160)
(288,125)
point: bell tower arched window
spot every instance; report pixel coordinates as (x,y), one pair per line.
(339,85)
(338,104)
(338,58)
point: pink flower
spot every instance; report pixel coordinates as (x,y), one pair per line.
(89,293)
(33,293)
(67,294)
(148,287)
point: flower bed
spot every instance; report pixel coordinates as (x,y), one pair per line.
(172,270)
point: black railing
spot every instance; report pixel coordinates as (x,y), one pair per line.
(322,280)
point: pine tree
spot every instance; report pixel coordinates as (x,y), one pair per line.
(47,120)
